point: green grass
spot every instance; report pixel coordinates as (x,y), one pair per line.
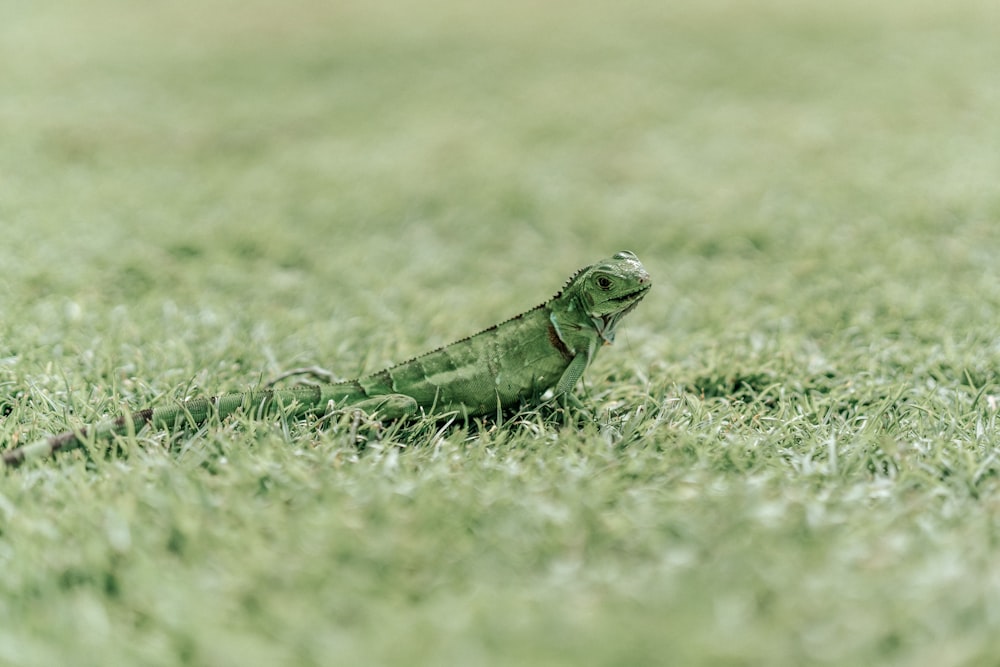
(794,458)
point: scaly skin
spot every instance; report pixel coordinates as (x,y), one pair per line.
(509,364)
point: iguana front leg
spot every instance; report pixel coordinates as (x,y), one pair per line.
(572,374)
(564,388)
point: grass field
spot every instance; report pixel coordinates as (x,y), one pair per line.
(793,458)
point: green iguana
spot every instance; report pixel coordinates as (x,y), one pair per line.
(518,360)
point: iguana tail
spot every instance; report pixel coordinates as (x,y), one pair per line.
(292,402)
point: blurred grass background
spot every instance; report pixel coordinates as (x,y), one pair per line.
(795,456)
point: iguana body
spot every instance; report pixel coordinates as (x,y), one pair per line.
(515,361)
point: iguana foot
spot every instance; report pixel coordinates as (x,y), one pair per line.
(566,409)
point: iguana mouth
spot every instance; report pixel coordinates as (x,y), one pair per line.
(636,295)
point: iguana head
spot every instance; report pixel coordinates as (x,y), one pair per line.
(607,291)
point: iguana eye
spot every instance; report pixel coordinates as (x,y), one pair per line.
(604,282)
